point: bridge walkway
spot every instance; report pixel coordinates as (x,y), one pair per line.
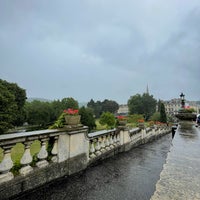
(180,178)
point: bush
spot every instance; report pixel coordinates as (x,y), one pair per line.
(107,119)
(87,118)
(134,118)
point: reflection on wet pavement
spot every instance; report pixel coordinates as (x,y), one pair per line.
(180,178)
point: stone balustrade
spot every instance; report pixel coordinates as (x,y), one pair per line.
(8,141)
(135,134)
(72,150)
(102,142)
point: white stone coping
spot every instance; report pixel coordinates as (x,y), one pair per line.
(32,135)
(99,133)
(134,130)
(26,134)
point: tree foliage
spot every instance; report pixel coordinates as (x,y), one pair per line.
(45,113)
(163,116)
(108,119)
(142,104)
(69,103)
(105,106)
(155,117)
(12,99)
(134,118)
(159,105)
(87,118)
(38,113)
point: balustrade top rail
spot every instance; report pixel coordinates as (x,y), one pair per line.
(21,137)
(98,133)
(134,130)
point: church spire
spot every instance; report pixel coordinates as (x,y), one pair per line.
(147,89)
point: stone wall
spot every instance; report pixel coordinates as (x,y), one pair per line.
(73,151)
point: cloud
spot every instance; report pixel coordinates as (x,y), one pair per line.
(101,49)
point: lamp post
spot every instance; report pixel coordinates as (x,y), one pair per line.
(182,100)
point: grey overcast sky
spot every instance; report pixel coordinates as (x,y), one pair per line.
(101,48)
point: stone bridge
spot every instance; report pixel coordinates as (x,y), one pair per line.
(71,150)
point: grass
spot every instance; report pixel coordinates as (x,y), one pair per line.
(18,150)
(99,126)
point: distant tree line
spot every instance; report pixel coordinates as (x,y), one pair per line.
(12,100)
(147,106)
(15,110)
(45,113)
(99,107)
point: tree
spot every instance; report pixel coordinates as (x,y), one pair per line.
(39,113)
(12,99)
(159,105)
(20,98)
(57,108)
(69,103)
(134,118)
(163,116)
(109,106)
(144,104)
(8,108)
(96,107)
(155,117)
(105,106)
(108,119)
(87,117)
(135,104)
(91,104)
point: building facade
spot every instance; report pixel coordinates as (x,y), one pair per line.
(172,106)
(123,110)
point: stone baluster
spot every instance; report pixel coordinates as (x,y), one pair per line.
(54,150)
(92,149)
(103,144)
(111,141)
(97,147)
(42,155)
(114,140)
(26,159)
(107,143)
(118,138)
(6,165)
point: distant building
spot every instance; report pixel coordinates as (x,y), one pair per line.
(172,106)
(123,110)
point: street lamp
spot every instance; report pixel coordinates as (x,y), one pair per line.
(182,100)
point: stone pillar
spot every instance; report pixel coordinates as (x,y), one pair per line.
(63,147)
(78,149)
(126,135)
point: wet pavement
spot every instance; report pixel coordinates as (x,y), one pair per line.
(180,178)
(128,176)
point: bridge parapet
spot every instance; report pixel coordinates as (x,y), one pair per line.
(63,152)
(54,138)
(102,142)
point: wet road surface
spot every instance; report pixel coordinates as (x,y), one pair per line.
(180,178)
(127,176)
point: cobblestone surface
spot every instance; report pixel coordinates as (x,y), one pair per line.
(180,178)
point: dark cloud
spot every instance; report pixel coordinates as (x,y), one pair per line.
(101,49)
